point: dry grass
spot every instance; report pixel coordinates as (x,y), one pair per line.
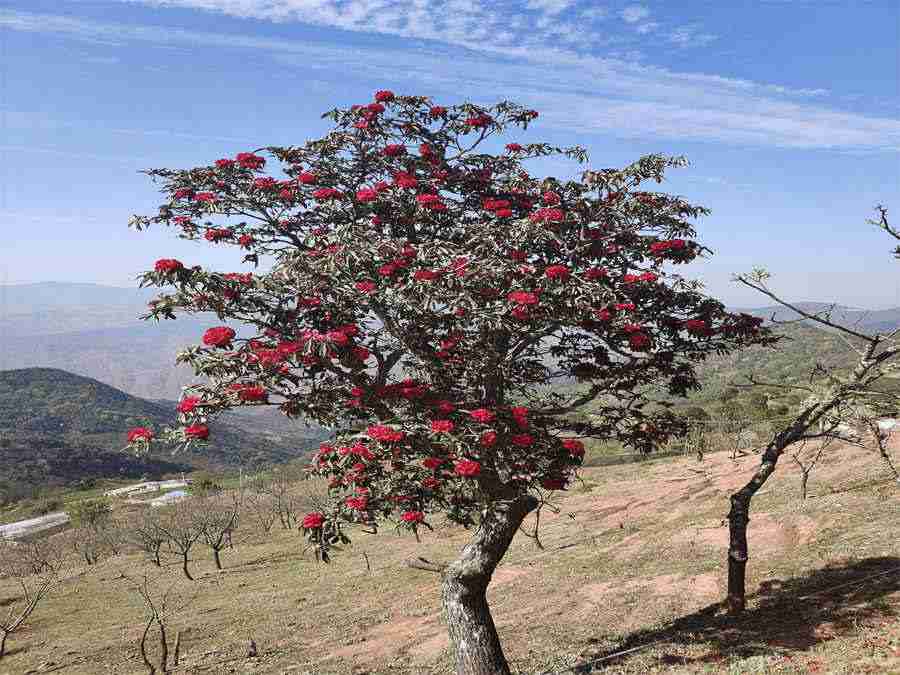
(634,560)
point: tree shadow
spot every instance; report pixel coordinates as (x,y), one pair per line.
(792,614)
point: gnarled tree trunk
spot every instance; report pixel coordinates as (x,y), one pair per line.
(471,627)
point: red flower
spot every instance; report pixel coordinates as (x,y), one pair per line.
(139,434)
(245,240)
(522,440)
(217,234)
(521,313)
(426,275)
(220,336)
(313,521)
(603,314)
(547,216)
(366,195)
(467,468)
(557,272)
(188,403)
(550,198)
(385,434)
(197,431)
(361,353)
(224,163)
(432,462)
(405,180)
(488,439)
(393,150)
(168,265)
(625,307)
(249,392)
(513,147)
(265,183)
(247,160)
(638,341)
(431,483)
(357,503)
(446,407)
(384,95)
(437,111)
(307,178)
(441,426)
(574,446)
(365,286)
(479,121)
(412,517)
(696,326)
(326,193)
(375,108)
(553,483)
(483,415)
(205,197)
(523,298)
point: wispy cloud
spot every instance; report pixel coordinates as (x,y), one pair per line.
(574,91)
(635,13)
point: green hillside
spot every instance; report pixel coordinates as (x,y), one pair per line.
(57,428)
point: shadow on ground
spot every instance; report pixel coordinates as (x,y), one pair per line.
(784,615)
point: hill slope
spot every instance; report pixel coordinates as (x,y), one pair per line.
(57,428)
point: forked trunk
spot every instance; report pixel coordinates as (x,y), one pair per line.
(471,627)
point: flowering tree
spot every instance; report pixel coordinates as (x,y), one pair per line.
(422,296)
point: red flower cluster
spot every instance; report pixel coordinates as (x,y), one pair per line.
(412,517)
(560,272)
(251,393)
(523,298)
(220,336)
(312,521)
(442,426)
(574,446)
(323,194)
(384,95)
(483,415)
(216,235)
(247,160)
(431,201)
(467,468)
(547,215)
(200,431)
(660,247)
(385,434)
(140,434)
(405,180)
(168,265)
(307,178)
(188,403)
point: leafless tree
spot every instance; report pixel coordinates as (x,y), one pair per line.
(806,455)
(180,526)
(216,517)
(149,536)
(17,564)
(831,397)
(160,605)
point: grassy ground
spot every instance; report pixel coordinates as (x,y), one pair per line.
(631,569)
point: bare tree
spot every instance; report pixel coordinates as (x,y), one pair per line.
(216,517)
(149,536)
(17,563)
(181,529)
(160,605)
(806,455)
(831,397)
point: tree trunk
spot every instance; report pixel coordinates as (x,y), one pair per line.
(471,627)
(738,518)
(217,559)
(156,559)
(163,647)
(3,643)
(184,565)
(804,479)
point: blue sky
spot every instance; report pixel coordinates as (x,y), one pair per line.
(788,110)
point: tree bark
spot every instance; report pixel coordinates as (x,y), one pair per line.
(738,517)
(184,566)
(163,647)
(471,627)
(3,643)
(217,559)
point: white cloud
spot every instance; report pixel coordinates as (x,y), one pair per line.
(550,6)
(634,13)
(574,92)
(646,27)
(689,36)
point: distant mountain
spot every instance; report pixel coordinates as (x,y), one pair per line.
(57,428)
(95,331)
(863,320)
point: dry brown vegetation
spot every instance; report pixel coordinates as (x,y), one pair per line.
(633,562)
